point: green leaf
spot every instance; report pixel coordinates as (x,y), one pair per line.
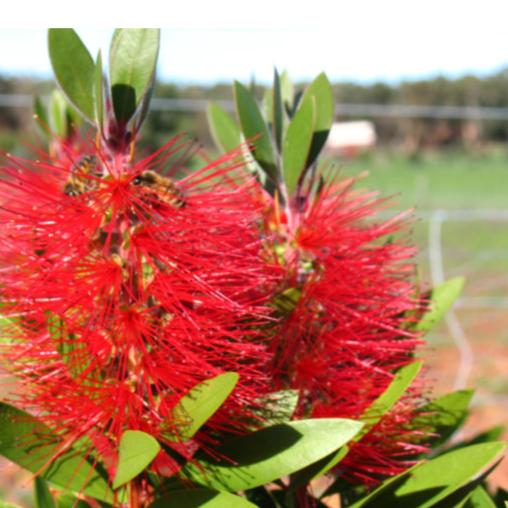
(98,93)
(73,67)
(384,403)
(137,451)
(444,415)
(201,498)
(132,63)
(199,405)
(432,481)
(255,128)
(41,116)
(270,453)
(277,111)
(58,115)
(31,444)
(480,499)
(441,300)
(321,92)
(278,407)
(43,497)
(287,92)
(70,501)
(297,143)
(225,132)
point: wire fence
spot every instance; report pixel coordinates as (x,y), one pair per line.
(436,219)
(341,109)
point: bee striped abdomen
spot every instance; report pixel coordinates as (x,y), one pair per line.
(164,189)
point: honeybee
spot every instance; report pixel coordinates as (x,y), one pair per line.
(164,188)
(83,176)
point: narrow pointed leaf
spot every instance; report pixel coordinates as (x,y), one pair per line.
(287,92)
(277,111)
(137,451)
(384,403)
(43,497)
(321,90)
(255,128)
(98,93)
(31,444)
(271,453)
(73,67)
(225,132)
(41,116)
(201,498)
(297,144)
(432,481)
(442,298)
(58,115)
(444,415)
(480,499)
(199,405)
(132,63)
(267,108)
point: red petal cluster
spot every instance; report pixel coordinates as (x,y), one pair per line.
(348,332)
(127,289)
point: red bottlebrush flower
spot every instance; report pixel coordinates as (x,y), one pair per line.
(344,328)
(129,288)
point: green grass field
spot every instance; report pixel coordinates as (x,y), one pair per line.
(447,179)
(452,180)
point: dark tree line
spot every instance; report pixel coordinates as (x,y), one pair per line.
(411,134)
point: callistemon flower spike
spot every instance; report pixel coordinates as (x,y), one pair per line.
(344,328)
(130,288)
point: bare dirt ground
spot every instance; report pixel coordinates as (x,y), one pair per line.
(486,332)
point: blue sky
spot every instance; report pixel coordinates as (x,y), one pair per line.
(356,40)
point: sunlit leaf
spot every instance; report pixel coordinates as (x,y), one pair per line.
(321,92)
(384,403)
(225,132)
(255,130)
(287,91)
(271,453)
(444,415)
(137,451)
(430,482)
(31,444)
(442,298)
(201,498)
(297,144)
(73,67)
(277,111)
(132,62)
(98,93)
(199,405)
(41,116)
